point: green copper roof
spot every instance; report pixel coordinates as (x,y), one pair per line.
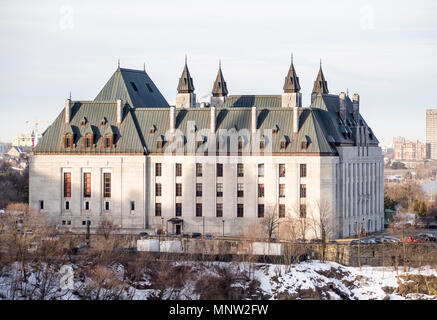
(248,101)
(126,139)
(133,86)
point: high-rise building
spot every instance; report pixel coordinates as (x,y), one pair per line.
(431,132)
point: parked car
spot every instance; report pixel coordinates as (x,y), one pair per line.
(185,235)
(143,234)
(432,225)
(128,250)
(196,235)
(316,241)
(425,237)
(413,239)
(209,236)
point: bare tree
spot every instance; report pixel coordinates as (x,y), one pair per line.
(270,223)
(22,230)
(106,227)
(321,222)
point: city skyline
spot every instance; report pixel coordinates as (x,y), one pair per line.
(383,51)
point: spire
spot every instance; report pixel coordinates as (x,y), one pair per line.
(291,83)
(219,88)
(320,85)
(185,81)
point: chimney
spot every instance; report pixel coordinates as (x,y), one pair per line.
(172,118)
(342,97)
(295,120)
(67,110)
(254,119)
(356,106)
(119,111)
(212,119)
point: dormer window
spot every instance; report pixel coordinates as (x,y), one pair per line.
(240,143)
(89,140)
(68,141)
(152,129)
(305,142)
(134,86)
(275,129)
(108,141)
(159,143)
(83,121)
(261,145)
(193,128)
(283,145)
(103,121)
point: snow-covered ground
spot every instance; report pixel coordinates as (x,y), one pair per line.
(203,280)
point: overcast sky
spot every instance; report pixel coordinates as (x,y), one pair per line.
(384,50)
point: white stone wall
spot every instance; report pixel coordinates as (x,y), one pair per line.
(352,185)
(361,189)
(127,184)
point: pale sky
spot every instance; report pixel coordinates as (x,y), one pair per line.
(384,50)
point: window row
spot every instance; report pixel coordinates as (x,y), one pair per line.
(240,210)
(219,190)
(240,170)
(87,185)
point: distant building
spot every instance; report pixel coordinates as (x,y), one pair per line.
(15,152)
(409,150)
(431,132)
(23,140)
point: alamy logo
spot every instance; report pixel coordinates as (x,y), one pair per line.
(66,281)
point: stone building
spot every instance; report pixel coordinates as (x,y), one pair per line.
(409,150)
(431,133)
(132,158)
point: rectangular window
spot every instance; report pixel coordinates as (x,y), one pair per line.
(158,190)
(198,189)
(281,190)
(87,184)
(260,210)
(198,169)
(261,190)
(132,206)
(88,142)
(198,209)
(157,209)
(219,189)
(67,184)
(67,205)
(303,211)
(282,170)
(107,185)
(67,142)
(219,210)
(106,205)
(63,222)
(107,142)
(240,189)
(261,170)
(303,170)
(240,170)
(178,169)
(178,189)
(303,190)
(178,209)
(219,170)
(87,205)
(282,211)
(69,222)
(41,204)
(240,210)
(157,169)
(261,145)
